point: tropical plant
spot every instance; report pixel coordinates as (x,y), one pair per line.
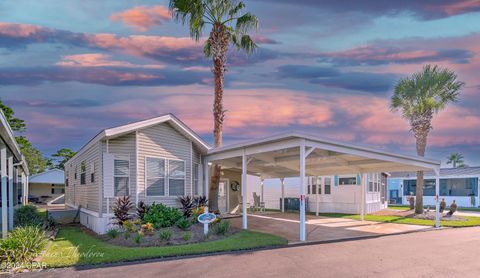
(187,205)
(162,216)
(184,224)
(420,97)
(186,236)
(112,233)
(138,238)
(22,245)
(228,25)
(142,208)
(129,226)
(200,201)
(27,215)
(147,228)
(456,159)
(165,235)
(222,227)
(121,210)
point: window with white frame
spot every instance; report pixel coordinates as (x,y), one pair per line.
(121,175)
(83,172)
(347,180)
(195,178)
(176,177)
(155,169)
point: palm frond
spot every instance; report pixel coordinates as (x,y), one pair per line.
(246,22)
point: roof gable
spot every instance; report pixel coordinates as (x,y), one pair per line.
(53,176)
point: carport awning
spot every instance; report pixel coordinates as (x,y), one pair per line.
(279,157)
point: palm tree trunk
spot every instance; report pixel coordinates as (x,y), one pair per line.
(421,130)
(219,46)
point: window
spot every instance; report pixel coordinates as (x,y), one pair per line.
(459,187)
(57,189)
(411,186)
(83,172)
(176,178)
(121,175)
(347,180)
(195,179)
(328,185)
(155,176)
(92,173)
(319,185)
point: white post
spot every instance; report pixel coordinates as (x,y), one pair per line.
(24,190)
(319,186)
(262,185)
(10,193)
(437,204)
(206,180)
(364,182)
(205,225)
(244,190)
(302,190)
(3,185)
(283,194)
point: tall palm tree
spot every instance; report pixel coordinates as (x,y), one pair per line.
(419,97)
(228,25)
(456,159)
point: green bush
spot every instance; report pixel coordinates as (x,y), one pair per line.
(186,236)
(165,235)
(184,224)
(112,233)
(27,216)
(162,216)
(137,238)
(22,245)
(222,227)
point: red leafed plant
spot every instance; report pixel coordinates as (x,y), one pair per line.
(121,210)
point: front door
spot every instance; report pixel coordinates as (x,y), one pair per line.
(223,196)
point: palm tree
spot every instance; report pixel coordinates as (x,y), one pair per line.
(228,25)
(456,159)
(419,97)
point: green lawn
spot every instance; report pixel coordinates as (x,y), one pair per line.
(74,247)
(405,207)
(470,222)
(397,207)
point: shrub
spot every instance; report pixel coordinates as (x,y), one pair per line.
(142,208)
(27,216)
(186,236)
(196,212)
(165,235)
(49,223)
(129,227)
(147,228)
(200,201)
(137,238)
(187,205)
(184,224)
(222,227)
(121,209)
(162,216)
(112,233)
(23,245)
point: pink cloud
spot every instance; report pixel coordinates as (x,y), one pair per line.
(459,7)
(98,60)
(142,18)
(19,30)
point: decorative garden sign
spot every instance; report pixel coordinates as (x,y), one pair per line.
(206,218)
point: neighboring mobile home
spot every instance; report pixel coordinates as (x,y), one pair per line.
(160,159)
(459,184)
(47,186)
(13,176)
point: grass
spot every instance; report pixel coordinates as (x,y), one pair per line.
(470,222)
(74,247)
(406,207)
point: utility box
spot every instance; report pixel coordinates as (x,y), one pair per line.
(293,204)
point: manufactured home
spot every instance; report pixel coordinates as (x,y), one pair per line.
(160,159)
(459,184)
(47,187)
(14,176)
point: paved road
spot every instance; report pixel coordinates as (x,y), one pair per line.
(444,253)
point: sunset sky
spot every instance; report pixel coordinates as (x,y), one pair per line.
(73,68)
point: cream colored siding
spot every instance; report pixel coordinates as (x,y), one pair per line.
(124,145)
(85,195)
(164,142)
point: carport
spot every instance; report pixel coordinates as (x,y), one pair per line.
(302,155)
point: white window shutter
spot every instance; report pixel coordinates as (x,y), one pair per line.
(108,175)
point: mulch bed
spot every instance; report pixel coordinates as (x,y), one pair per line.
(153,239)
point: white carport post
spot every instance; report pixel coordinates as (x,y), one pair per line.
(437,197)
(262,184)
(206,168)
(364,182)
(318,188)
(302,190)
(10,192)
(3,185)
(283,194)
(244,191)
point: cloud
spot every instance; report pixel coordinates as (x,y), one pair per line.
(111,76)
(142,18)
(98,60)
(331,77)
(377,54)
(425,9)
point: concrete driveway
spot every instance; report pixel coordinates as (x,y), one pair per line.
(320,228)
